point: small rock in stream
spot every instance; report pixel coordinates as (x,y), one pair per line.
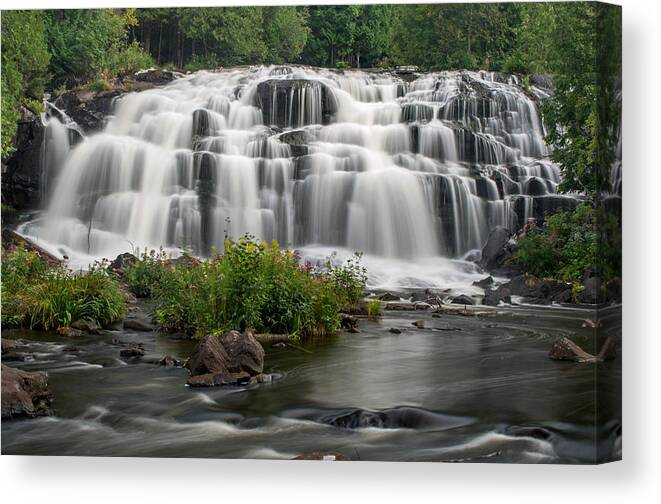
(134,351)
(69,332)
(394,330)
(420,324)
(169,361)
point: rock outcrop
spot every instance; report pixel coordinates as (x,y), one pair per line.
(24,394)
(22,173)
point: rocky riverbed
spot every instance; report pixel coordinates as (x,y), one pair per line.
(464,384)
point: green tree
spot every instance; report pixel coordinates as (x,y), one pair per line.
(24,61)
(373,37)
(286,32)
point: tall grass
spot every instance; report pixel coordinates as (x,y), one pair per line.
(37,296)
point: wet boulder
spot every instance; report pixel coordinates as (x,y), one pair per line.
(497,249)
(87,325)
(590,293)
(132,352)
(484,283)
(24,394)
(349,323)
(244,352)
(208,357)
(493,297)
(169,361)
(135,324)
(69,332)
(8,345)
(566,349)
(156,76)
(540,291)
(463,300)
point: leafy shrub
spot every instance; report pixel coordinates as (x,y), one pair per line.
(132,58)
(349,278)
(143,275)
(374,309)
(20,269)
(571,242)
(38,296)
(257,286)
(98,85)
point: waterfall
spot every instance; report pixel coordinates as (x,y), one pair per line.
(410,173)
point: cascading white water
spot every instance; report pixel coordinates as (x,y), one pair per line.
(414,174)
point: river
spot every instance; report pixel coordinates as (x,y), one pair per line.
(464,388)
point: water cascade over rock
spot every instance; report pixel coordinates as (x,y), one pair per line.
(414,173)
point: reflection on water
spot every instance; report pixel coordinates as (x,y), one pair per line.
(463,389)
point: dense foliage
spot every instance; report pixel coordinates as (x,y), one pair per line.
(35,295)
(569,243)
(251,284)
(24,62)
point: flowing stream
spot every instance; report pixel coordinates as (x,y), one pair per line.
(469,389)
(414,173)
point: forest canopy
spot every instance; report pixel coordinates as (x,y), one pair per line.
(52,50)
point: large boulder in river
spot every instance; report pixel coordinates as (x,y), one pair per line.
(244,352)
(208,356)
(497,250)
(24,393)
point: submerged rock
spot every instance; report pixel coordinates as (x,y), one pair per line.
(131,352)
(25,393)
(138,325)
(394,330)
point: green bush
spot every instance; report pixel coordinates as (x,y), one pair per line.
(374,309)
(571,242)
(131,59)
(65,297)
(20,269)
(35,295)
(144,274)
(252,285)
